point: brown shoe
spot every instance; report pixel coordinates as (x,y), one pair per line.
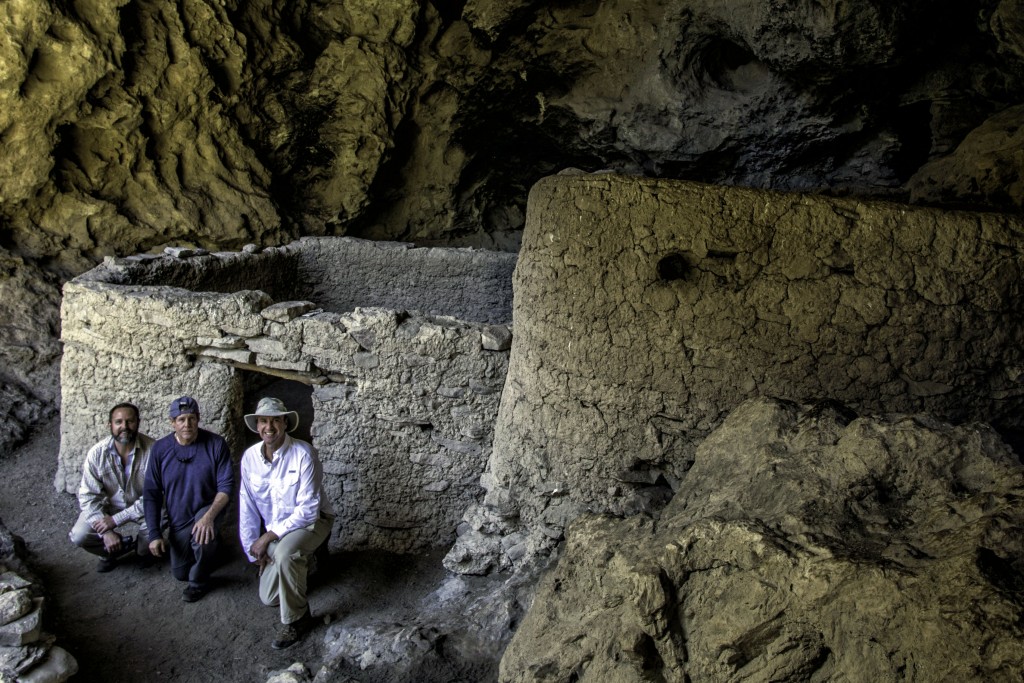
(289,634)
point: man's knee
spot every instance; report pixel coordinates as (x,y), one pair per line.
(181,571)
(77,537)
(81,534)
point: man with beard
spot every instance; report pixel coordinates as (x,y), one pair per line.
(110,494)
(191,478)
(283,514)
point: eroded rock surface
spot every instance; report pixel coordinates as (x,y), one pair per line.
(128,126)
(131,125)
(29,347)
(807,545)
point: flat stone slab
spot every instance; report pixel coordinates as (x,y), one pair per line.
(24,630)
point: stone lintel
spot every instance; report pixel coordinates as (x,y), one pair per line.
(229,341)
(300,366)
(236,355)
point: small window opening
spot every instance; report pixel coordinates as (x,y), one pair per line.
(673,267)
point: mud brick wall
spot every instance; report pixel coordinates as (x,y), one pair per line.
(646,310)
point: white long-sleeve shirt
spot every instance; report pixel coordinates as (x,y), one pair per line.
(285,494)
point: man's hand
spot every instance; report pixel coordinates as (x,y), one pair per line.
(158,547)
(111,542)
(203,531)
(259,550)
(102,525)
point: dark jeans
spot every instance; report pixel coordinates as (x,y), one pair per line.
(191,561)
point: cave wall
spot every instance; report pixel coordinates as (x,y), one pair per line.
(646,310)
(129,126)
(404,399)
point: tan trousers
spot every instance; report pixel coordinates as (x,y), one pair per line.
(84,537)
(284,580)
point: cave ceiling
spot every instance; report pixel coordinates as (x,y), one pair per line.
(128,126)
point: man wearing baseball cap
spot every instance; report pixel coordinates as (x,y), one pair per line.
(189,476)
(282,491)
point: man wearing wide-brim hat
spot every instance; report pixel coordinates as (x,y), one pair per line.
(282,489)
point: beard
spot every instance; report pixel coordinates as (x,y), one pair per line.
(126,437)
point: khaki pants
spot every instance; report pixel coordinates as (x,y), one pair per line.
(84,537)
(284,580)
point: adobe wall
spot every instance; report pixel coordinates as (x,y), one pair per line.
(404,401)
(646,310)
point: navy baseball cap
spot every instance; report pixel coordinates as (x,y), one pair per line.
(183,406)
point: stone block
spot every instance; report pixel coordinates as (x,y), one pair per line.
(11,581)
(268,346)
(14,605)
(57,666)
(496,338)
(184,252)
(25,629)
(285,311)
(236,355)
(229,341)
(298,366)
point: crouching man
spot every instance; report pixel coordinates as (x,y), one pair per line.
(110,494)
(190,477)
(282,491)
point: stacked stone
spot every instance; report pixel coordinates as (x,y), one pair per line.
(27,653)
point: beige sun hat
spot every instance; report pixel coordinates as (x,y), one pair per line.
(272,407)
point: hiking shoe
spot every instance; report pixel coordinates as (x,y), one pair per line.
(192,593)
(106,564)
(289,634)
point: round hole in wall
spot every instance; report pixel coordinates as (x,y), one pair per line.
(673,267)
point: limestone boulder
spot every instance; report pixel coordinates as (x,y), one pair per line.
(808,544)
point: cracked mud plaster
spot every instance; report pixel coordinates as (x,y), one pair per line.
(638,298)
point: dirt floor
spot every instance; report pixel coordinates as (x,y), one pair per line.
(131,624)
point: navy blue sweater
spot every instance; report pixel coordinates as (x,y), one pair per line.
(185,479)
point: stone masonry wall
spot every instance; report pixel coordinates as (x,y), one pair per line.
(646,310)
(404,402)
(339,274)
